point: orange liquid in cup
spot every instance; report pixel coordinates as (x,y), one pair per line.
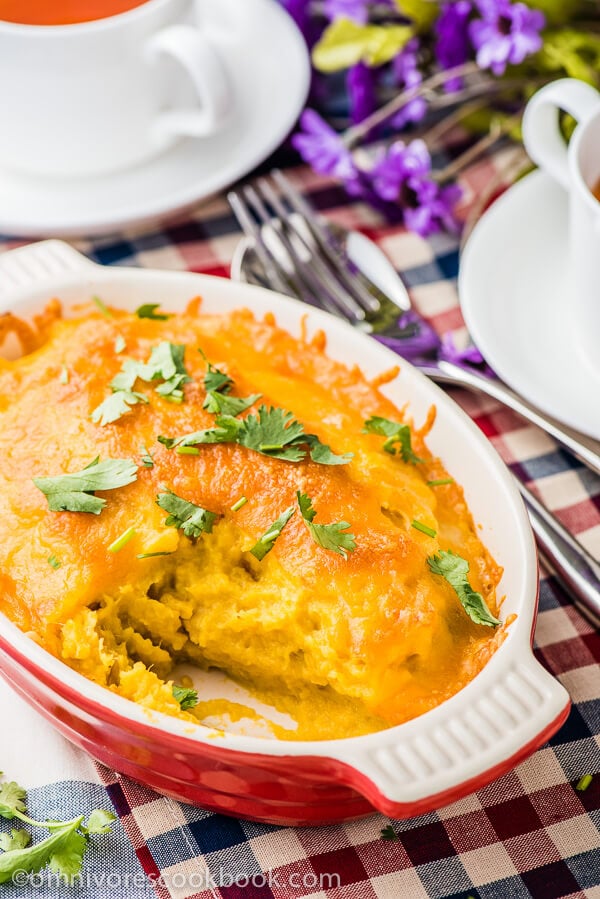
(62,12)
(596,190)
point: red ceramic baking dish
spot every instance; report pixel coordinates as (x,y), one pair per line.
(510,708)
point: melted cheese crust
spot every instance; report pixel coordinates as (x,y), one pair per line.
(345,646)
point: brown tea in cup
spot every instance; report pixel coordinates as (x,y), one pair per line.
(62,12)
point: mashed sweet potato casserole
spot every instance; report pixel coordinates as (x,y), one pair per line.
(348,591)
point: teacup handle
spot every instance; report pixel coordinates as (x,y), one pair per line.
(541,133)
(204,66)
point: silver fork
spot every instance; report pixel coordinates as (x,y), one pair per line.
(293,251)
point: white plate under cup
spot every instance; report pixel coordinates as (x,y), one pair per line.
(576,167)
(100,96)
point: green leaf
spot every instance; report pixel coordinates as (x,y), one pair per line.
(119,343)
(33,858)
(100,821)
(116,405)
(345,43)
(67,858)
(12,799)
(570,52)
(148,310)
(191,519)
(224,404)
(215,379)
(16,839)
(455,570)
(558,12)
(101,307)
(187,697)
(272,433)
(396,434)
(388,833)
(330,536)
(54,562)
(146,457)
(265,543)
(422,12)
(323,454)
(74,492)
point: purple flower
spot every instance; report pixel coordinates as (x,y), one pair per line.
(403,174)
(412,338)
(361,90)
(506,33)
(356,10)
(407,75)
(453,46)
(468,357)
(324,150)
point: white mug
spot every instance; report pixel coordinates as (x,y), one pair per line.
(576,167)
(94,97)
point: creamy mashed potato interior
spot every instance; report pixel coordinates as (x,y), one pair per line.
(343,645)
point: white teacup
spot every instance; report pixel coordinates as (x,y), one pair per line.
(577,168)
(95,97)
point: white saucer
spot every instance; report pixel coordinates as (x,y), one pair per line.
(270,70)
(514,293)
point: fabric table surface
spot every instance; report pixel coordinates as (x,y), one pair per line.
(528,834)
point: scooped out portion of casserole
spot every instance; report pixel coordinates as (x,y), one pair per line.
(210,490)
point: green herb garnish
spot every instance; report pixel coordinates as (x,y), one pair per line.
(218,403)
(187,697)
(215,379)
(146,457)
(193,520)
(440,482)
(75,492)
(116,405)
(455,570)
(419,526)
(62,851)
(396,434)
(388,833)
(53,562)
(154,555)
(583,783)
(273,432)
(188,451)
(330,536)
(265,543)
(119,343)
(64,375)
(239,503)
(122,540)
(148,310)
(101,306)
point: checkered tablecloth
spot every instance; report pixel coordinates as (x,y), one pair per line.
(529,834)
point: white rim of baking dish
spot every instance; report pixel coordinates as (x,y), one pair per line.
(504,710)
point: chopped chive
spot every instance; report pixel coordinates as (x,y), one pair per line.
(153,555)
(238,505)
(269,447)
(583,783)
(64,375)
(119,343)
(121,541)
(419,526)
(440,482)
(54,562)
(101,306)
(188,451)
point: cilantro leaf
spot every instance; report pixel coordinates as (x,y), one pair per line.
(67,858)
(119,344)
(273,433)
(190,518)
(146,457)
(100,821)
(215,379)
(54,562)
(455,569)
(75,492)
(330,536)
(265,543)
(321,453)
(187,697)
(396,434)
(224,404)
(34,858)
(148,310)
(16,839)
(116,405)
(226,431)
(12,799)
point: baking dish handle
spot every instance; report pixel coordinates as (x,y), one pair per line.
(36,263)
(420,768)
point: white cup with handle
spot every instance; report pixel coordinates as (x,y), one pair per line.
(94,97)
(576,167)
